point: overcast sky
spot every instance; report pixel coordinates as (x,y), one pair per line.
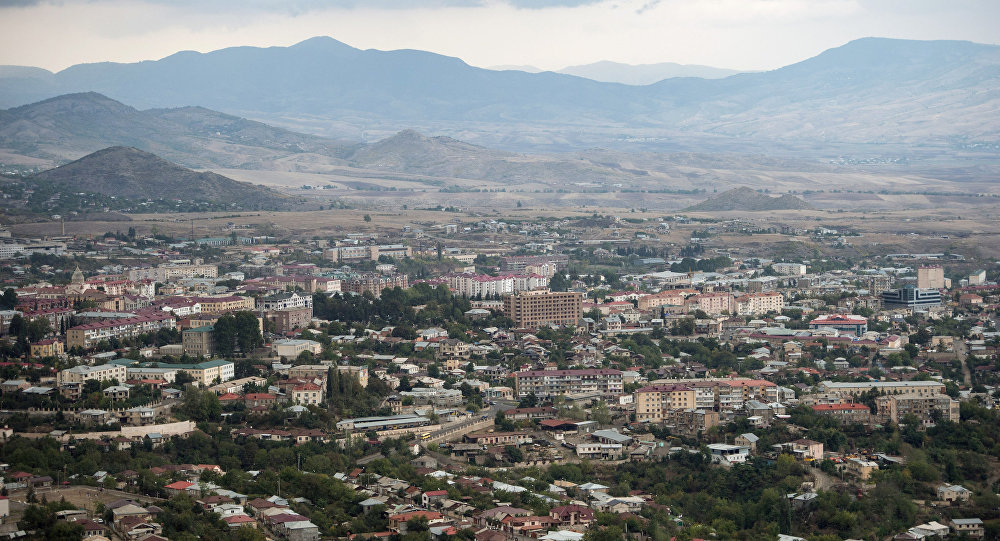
(549,34)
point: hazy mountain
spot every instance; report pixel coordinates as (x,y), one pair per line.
(515,67)
(134,174)
(70,126)
(870,90)
(644,74)
(746,199)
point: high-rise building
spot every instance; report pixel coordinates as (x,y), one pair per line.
(534,309)
(931,277)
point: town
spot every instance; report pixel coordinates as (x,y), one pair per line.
(586,378)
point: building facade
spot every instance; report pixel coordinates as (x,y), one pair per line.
(535,309)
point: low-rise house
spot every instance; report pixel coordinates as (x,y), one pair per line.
(971,527)
(953,493)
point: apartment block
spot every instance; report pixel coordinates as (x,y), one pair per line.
(374,283)
(370,253)
(549,383)
(225,304)
(199,341)
(759,303)
(87,336)
(789,269)
(535,309)
(849,413)
(653,402)
(850,390)
(895,408)
(82,373)
(930,277)
(712,303)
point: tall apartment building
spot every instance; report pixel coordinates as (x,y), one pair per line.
(713,303)
(199,341)
(375,283)
(878,283)
(930,277)
(895,408)
(759,303)
(653,402)
(86,336)
(549,383)
(534,309)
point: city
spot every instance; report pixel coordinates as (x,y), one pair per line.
(403,382)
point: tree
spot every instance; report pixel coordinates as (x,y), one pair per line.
(559,282)
(368,217)
(8,301)
(601,414)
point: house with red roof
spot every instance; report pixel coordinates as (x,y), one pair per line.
(432,496)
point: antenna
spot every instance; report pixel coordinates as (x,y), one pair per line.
(192,229)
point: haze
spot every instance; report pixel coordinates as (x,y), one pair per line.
(737,34)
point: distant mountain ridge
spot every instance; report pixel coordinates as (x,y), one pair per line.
(133,174)
(644,74)
(746,199)
(871,90)
(70,126)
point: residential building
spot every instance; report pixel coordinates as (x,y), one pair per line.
(88,335)
(284,301)
(199,341)
(204,373)
(712,303)
(549,383)
(224,304)
(290,349)
(953,493)
(760,303)
(52,347)
(930,277)
(972,528)
(853,389)
(927,408)
(375,283)
(307,394)
(653,401)
(82,373)
(849,413)
(534,309)
(789,269)
(289,319)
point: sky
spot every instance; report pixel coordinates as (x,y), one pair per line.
(548,34)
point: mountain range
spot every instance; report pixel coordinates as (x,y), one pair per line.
(644,74)
(133,174)
(869,91)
